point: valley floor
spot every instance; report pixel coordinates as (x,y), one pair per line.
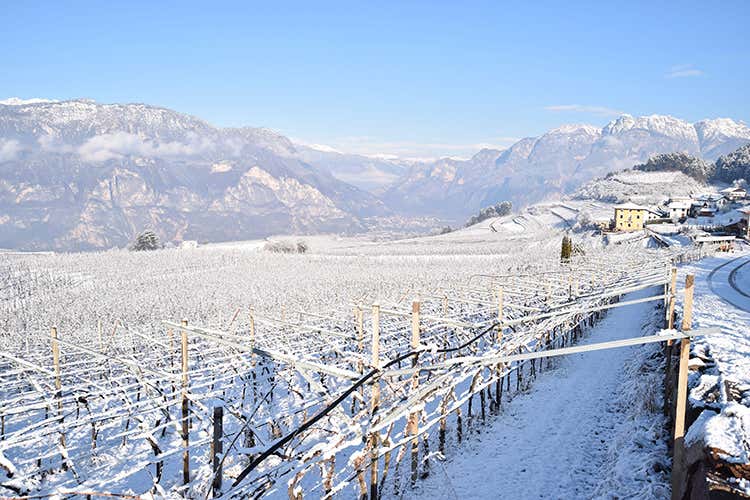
(592,428)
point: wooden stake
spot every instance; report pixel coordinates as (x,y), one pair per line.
(359,314)
(679,467)
(500,315)
(668,347)
(217,448)
(58,382)
(413,423)
(375,402)
(185,408)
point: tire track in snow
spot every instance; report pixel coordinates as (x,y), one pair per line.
(731,280)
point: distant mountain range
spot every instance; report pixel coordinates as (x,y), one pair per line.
(82,175)
(555,163)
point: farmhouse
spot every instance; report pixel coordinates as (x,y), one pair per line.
(707,205)
(740,225)
(630,217)
(678,210)
(734,193)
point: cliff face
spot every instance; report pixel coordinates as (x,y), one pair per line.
(79,175)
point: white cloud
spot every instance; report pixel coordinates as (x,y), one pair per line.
(384,149)
(53,144)
(118,144)
(9,149)
(582,108)
(683,71)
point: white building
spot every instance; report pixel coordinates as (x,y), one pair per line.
(679,210)
(734,193)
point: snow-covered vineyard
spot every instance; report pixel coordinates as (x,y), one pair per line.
(328,383)
(229,371)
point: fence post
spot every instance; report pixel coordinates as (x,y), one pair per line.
(668,347)
(375,402)
(679,467)
(58,384)
(413,424)
(217,449)
(360,327)
(185,422)
(499,315)
(499,382)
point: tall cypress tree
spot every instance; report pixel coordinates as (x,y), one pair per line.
(567,249)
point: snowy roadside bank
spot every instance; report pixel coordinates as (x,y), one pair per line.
(718,437)
(590,428)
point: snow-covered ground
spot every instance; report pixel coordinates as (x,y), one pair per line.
(590,428)
(721,383)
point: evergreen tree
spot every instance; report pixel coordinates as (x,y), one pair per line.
(567,249)
(734,166)
(679,162)
(147,240)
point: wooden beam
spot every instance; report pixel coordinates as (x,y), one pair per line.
(679,466)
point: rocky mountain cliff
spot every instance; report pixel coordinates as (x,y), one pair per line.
(81,175)
(555,163)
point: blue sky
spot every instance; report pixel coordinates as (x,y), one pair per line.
(410,78)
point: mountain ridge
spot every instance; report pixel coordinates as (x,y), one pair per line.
(79,174)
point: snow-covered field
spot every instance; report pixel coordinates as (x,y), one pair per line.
(115,303)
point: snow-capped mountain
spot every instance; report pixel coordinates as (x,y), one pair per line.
(556,163)
(81,175)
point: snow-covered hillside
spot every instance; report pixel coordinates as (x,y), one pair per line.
(648,188)
(557,162)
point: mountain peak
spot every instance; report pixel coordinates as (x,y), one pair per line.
(661,124)
(575,128)
(17,101)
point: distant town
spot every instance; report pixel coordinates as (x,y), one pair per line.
(716,218)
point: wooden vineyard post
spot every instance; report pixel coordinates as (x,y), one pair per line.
(375,402)
(185,422)
(360,327)
(499,382)
(413,424)
(252,354)
(679,467)
(58,382)
(499,315)
(668,347)
(217,449)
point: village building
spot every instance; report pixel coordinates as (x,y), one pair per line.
(722,243)
(707,205)
(630,217)
(734,193)
(679,209)
(740,225)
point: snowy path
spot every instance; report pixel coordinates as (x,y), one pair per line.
(550,442)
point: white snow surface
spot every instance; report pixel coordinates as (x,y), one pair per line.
(571,436)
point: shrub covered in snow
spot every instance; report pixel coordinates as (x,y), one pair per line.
(497,210)
(147,240)
(679,162)
(286,247)
(734,166)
